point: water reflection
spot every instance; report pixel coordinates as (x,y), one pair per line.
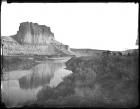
(25,88)
(40,75)
(13,95)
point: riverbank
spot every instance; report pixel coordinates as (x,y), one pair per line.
(107,80)
(10,63)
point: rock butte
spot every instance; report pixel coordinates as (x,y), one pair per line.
(32,38)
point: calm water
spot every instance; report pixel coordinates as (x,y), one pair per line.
(21,87)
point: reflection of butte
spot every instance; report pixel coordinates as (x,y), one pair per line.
(40,75)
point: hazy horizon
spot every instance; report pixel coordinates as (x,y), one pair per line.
(104,26)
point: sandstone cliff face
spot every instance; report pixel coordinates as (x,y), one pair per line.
(32,33)
(33,39)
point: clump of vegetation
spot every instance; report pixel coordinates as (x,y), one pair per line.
(116,78)
(107,80)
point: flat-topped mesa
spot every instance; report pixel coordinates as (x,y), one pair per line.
(33,38)
(32,33)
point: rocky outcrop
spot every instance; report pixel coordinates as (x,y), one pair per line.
(33,39)
(32,33)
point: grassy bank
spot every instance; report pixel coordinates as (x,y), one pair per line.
(107,80)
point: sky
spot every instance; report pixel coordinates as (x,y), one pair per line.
(105,26)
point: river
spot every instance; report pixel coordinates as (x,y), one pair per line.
(20,87)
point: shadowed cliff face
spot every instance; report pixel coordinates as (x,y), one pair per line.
(137,41)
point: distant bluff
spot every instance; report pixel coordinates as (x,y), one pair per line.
(34,33)
(32,38)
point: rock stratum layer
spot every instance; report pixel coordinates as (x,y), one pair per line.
(33,38)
